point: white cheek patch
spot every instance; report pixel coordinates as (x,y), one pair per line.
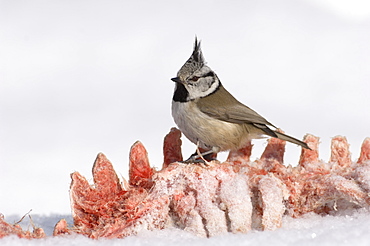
(203,88)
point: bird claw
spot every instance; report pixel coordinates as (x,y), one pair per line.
(196,160)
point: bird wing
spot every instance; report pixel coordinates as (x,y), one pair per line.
(223,106)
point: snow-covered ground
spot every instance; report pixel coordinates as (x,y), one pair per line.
(312,229)
(82,77)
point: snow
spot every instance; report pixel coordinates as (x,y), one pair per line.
(350,228)
(69,69)
(76,77)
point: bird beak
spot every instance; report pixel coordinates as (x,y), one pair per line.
(177,80)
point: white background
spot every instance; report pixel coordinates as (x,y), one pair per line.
(82,77)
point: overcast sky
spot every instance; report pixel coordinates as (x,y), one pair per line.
(82,77)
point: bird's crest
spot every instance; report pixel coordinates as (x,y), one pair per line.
(195,62)
(197,52)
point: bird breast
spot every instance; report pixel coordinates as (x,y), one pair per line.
(210,132)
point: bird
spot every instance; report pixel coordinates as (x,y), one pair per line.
(210,117)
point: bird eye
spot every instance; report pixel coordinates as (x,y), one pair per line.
(195,78)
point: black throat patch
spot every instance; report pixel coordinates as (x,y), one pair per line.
(181,94)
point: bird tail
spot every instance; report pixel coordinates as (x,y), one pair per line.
(285,137)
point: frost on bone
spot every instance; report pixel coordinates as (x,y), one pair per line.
(362,172)
(365,152)
(240,156)
(340,154)
(7,229)
(274,150)
(272,196)
(235,196)
(310,157)
(61,228)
